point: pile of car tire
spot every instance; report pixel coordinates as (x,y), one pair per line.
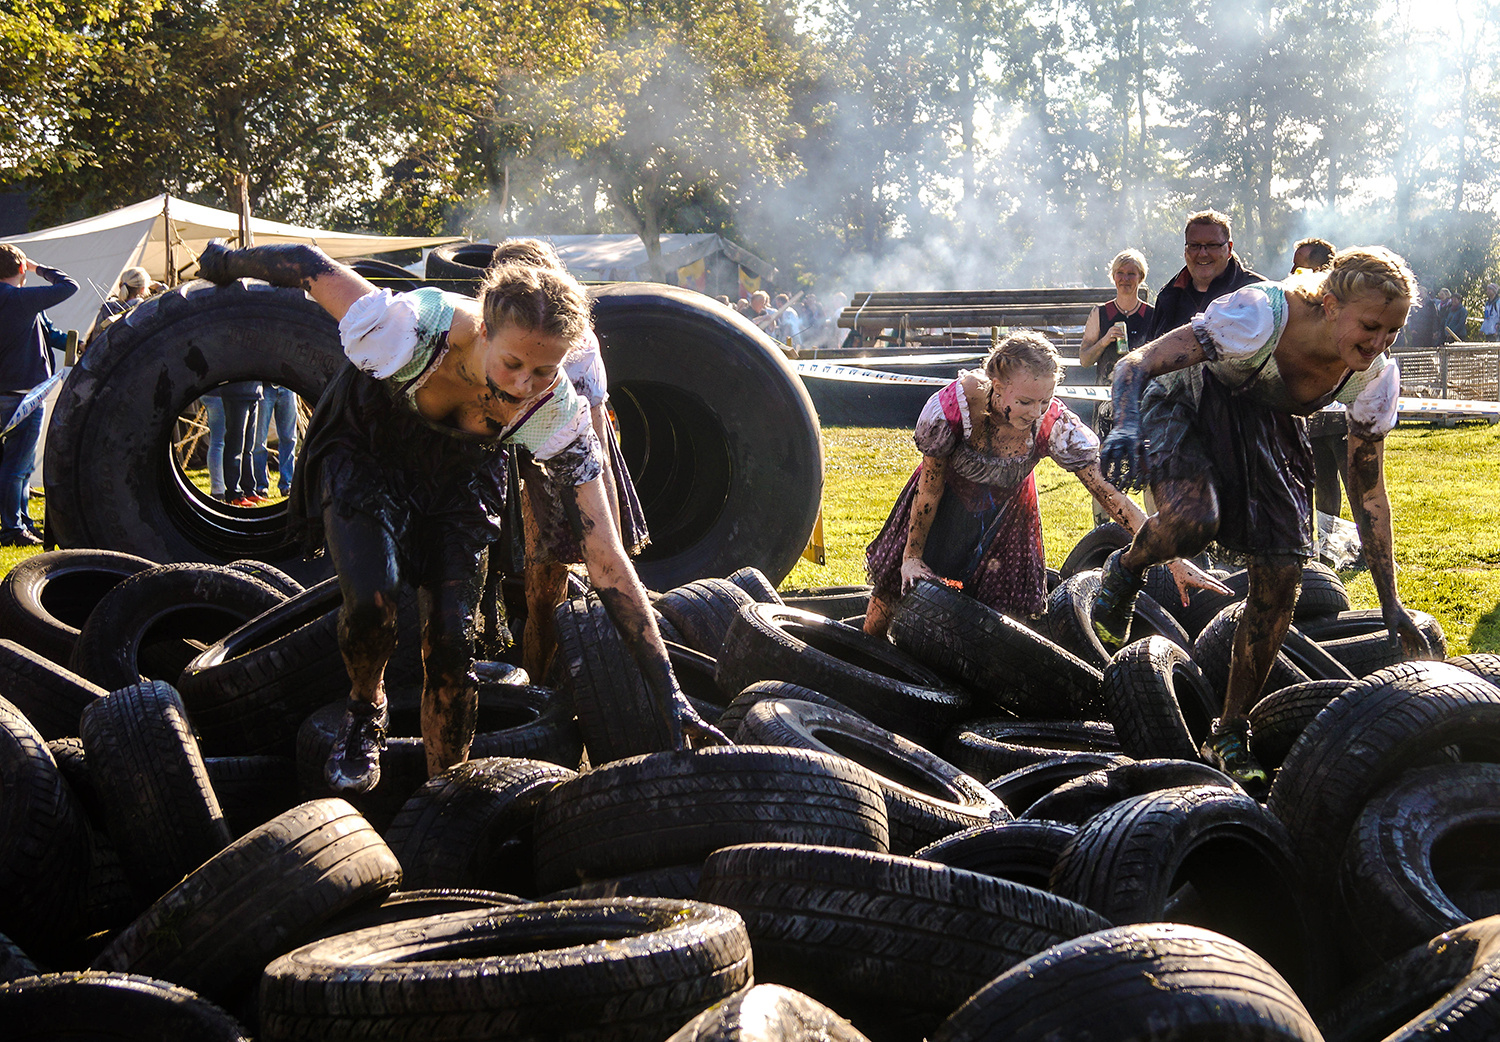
(975,830)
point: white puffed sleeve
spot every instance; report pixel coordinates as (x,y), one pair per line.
(585,369)
(1373,412)
(379,333)
(1235,327)
(935,434)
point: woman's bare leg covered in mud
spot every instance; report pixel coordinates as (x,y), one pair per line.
(546,584)
(365,556)
(1262,627)
(1186,519)
(450,692)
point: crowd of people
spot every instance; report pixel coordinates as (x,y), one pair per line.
(799,322)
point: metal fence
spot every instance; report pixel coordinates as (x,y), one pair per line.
(1451,371)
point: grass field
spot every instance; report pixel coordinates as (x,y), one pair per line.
(1444,487)
(1445,495)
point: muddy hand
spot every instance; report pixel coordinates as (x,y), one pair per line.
(1402,627)
(697,732)
(1122,459)
(913,571)
(1188,577)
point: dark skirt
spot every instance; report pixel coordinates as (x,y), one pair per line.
(1258,458)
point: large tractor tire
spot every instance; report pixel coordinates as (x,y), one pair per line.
(113,481)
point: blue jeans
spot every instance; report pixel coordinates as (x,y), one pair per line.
(215,408)
(17,461)
(281,405)
(239,425)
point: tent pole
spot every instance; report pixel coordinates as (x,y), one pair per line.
(242,205)
(166,221)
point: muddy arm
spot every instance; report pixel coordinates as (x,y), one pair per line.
(296,265)
(923,510)
(1122,458)
(1371,507)
(618,586)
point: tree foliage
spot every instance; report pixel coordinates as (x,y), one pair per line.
(893,142)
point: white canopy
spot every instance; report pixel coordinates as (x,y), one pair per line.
(605,258)
(94,251)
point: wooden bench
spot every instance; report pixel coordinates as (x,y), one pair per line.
(939,318)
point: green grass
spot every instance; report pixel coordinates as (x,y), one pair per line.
(1444,487)
(1445,496)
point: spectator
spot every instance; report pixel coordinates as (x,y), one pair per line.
(1455,317)
(760,313)
(723,298)
(743,306)
(135,286)
(239,429)
(1489,326)
(1312,254)
(815,322)
(279,404)
(1113,329)
(788,327)
(1212,270)
(25,362)
(1424,327)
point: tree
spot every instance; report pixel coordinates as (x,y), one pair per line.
(48,50)
(686,111)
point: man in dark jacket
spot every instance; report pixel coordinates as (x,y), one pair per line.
(25,361)
(1212,271)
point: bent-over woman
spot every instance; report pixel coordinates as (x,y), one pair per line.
(1211,416)
(403,473)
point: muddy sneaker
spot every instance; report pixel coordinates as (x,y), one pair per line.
(1114,604)
(1228,749)
(354,761)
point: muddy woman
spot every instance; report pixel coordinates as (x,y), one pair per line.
(1211,417)
(403,476)
(969,515)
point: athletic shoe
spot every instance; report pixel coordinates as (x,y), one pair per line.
(1114,604)
(1228,749)
(354,761)
(243,501)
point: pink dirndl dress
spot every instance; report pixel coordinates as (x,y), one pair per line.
(987,533)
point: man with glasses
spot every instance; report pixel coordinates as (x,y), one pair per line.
(1212,271)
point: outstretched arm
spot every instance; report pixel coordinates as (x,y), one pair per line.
(1371,507)
(625,599)
(333,285)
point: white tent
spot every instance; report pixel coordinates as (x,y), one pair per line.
(164,230)
(605,258)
